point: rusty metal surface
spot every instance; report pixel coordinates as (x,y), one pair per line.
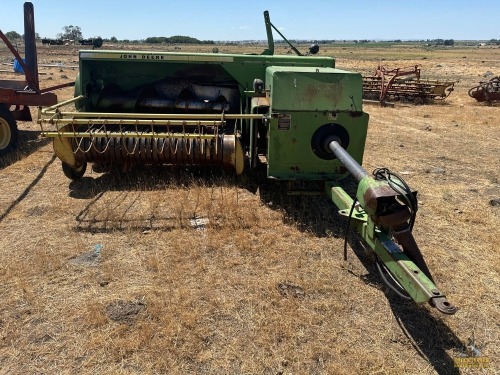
(13,84)
(30,45)
(26,97)
(404,84)
(32,82)
(213,152)
(406,240)
(442,304)
(486,91)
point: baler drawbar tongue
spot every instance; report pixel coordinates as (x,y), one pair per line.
(386,225)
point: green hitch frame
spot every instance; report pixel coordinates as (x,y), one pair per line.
(405,265)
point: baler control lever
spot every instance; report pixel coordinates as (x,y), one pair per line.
(313,49)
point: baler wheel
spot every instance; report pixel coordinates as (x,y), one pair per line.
(74,173)
(8,131)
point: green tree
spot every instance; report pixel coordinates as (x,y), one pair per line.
(182,39)
(71,32)
(13,35)
(155,39)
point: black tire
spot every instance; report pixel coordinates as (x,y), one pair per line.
(74,173)
(8,131)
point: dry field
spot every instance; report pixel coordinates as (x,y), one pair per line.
(108,275)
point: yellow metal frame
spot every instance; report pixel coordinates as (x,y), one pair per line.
(62,126)
(54,117)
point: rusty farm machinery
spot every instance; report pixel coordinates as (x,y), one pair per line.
(488,91)
(299,115)
(17,95)
(405,85)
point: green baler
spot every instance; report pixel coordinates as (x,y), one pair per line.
(299,113)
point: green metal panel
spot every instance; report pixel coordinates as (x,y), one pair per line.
(134,68)
(314,89)
(290,154)
(303,100)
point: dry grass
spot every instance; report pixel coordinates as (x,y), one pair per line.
(262,287)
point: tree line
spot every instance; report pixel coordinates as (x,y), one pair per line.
(176,39)
(69,32)
(75,33)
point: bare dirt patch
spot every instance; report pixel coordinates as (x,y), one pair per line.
(124,311)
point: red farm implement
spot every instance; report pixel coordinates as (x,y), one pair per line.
(405,85)
(17,95)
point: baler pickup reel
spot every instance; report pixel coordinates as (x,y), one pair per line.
(128,139)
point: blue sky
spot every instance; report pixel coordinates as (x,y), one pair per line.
(243,20)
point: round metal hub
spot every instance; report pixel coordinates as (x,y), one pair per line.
(318,145)
(5,133)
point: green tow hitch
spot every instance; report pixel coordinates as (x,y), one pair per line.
(384,212)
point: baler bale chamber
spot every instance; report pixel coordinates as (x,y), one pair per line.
(215,110)
(298,114)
